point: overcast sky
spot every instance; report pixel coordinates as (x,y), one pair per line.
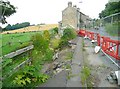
(50,11)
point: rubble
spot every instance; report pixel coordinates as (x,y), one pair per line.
(112,74)
(56,56)
(110,79)
(113,77)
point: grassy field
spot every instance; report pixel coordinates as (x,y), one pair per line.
(20,38)
(37,60)
(12,42)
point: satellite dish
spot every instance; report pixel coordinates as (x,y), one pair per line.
(97,49)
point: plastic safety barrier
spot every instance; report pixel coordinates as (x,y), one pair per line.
(109,46)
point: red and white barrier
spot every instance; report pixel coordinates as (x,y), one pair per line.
(109,46)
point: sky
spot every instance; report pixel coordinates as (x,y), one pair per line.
(50,11)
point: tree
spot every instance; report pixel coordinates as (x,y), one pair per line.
(110,8)
(8,27)
(16,26)
(7,10)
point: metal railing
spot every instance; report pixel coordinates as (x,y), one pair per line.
(114,18)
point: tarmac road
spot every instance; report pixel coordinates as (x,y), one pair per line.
(102,32)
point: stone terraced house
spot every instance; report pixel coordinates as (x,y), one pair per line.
(72,17)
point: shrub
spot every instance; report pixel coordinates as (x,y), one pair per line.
(46,35)
(55,43)
(55,30)
(5,62)
(37,58)
(68,34)
(49,55)
(29,75)
(40,43)
(63,43)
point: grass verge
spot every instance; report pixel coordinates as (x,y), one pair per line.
(113,29)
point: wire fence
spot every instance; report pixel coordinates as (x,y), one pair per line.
(112,24)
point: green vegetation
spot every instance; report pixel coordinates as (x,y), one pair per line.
(55,30)
(40,43)
(111,8)
(83,45)
(30,74)
(71,75)
(9,10)
(69,56)
(68,34)
(27,76)
(48,56)
(8,65)
(6,62)
(13,42)
(110,17)
(16,26)
(46,35)
(113,28)
(85,73)
(55,43)
(68,66)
